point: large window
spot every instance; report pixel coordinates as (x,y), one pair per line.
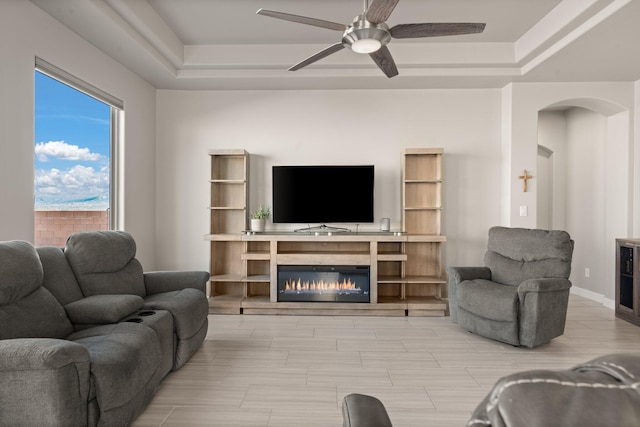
(76,139)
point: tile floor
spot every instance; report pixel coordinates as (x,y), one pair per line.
(286,371)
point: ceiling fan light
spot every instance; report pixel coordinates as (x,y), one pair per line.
(366,45)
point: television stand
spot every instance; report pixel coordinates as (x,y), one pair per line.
(322,227)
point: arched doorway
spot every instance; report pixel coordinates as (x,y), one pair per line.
(589,179)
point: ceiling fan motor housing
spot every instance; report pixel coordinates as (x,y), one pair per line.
(361,29)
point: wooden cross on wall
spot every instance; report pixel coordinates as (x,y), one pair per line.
(524,177)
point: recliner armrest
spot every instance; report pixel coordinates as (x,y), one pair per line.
(543,285)
(460,274)
(543,310)
(157,282)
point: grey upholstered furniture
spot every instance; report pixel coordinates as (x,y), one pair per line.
(520,295)
(601,392)
(104,264)
(68,359)
(361,410)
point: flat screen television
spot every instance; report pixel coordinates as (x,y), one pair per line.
(323,194)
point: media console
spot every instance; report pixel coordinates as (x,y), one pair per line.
(393,291)
(404,267)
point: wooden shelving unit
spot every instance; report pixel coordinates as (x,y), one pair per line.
(405,267)
(423,284)
(229,199)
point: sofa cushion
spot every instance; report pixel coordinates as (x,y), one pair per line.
(103,309)
(189,308)
(104,263)
(38,315)
(58,277)
(20,271)
(516,254)
(124,359)
(488,299)
(27,310)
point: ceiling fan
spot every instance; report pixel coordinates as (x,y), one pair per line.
(368,33)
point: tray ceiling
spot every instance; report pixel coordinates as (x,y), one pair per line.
(223,44)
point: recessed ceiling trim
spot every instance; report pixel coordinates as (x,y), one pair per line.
(341,72)
(550,25)
(462,54)
(134,33)
(145,20)
(589,24)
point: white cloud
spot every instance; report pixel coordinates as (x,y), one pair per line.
(64,151)
(79,182)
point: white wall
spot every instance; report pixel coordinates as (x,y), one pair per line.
(608,207)
(552,134)
(27,32)
(328,127)
(586,185)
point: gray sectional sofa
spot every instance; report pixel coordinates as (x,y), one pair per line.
(86,337)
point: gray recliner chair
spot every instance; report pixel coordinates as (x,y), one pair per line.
(520,296)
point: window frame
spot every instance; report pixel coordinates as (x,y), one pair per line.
(116,206)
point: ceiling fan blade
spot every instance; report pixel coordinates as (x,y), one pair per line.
(383,59)
(322,54)
(380,10)
(302,19)
(435,29)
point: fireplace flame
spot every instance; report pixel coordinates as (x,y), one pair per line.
(299,285)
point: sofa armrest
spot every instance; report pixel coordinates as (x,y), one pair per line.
(102,309)
(360,410)
(157,282)
(43,382)
(40,353)
(458,275)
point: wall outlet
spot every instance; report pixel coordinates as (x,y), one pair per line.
(524,211)
(587,272)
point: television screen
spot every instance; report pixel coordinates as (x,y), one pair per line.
(323,194)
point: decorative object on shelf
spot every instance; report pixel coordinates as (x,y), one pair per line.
(385,224)
(259,217)
(524,177)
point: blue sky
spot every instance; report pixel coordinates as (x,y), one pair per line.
(71,147)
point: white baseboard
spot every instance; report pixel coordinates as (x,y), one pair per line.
(594,296)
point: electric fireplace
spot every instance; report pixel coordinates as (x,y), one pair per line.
(324,283)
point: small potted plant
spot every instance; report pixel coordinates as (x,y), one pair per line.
(259,218)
